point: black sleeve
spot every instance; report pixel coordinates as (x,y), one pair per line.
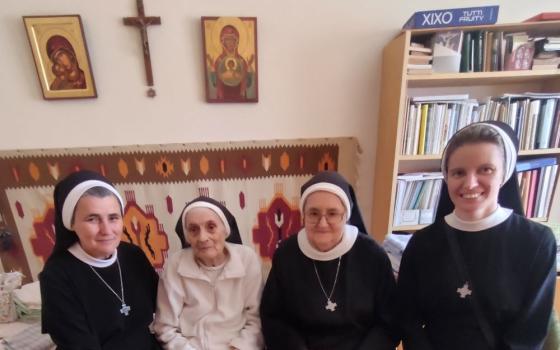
(384,334)
(277,331)
(414,335)
(528,330)
(63,316)
(152,278)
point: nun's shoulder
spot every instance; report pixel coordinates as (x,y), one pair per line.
(246,252)
(287,246)
(58,261)
(60,267)
(529,231)
(430,237)
(131,251)
(128,248)
(365,244)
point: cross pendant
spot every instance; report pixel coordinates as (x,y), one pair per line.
(330,306)
(125,309)
(464,290)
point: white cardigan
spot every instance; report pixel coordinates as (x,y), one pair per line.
(194,314)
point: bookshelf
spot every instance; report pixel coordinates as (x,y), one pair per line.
(397,85)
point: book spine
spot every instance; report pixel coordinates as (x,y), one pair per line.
(417,124)
(478,51)
(487,51)
(495,52)
(537,209)
(422,134)
(536,163)
(555,137)
(405,127)
(550,189)
(524,185)
(545,127)
(532,190)
(466,52)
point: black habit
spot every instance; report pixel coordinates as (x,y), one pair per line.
(80,312)
(512,266)
(293,310)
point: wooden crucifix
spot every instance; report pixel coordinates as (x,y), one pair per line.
(142,22)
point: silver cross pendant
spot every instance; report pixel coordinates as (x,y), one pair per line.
(330,306)
(125,309)
(464,291)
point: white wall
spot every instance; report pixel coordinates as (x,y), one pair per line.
(319,70)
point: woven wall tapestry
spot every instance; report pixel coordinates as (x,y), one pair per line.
(258,181)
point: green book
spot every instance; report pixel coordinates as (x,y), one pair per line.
(466,52)
(478,38)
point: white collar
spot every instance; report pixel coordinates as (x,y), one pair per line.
(233,266)
(497,217)
(80,254)
(348,238)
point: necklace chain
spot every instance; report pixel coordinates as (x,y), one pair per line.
(125,308)
(328,296)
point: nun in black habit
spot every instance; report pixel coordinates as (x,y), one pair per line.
(97,292)
(331,286)
(482,275)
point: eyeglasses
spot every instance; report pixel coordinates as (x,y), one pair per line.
(313,217)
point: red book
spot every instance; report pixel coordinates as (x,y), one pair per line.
(532,192)
(544,16)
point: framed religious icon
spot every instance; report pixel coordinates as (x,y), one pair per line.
(230,59)
(59,49)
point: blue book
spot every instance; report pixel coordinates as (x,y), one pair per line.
(536,163)
(545,124)
(468,16)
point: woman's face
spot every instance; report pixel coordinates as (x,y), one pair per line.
(206,234)
(474,176)
(324,216)
(99,225)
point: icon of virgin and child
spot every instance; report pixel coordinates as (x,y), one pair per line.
(230,60)
(65,66)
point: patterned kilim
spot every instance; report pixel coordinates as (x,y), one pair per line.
(258,181)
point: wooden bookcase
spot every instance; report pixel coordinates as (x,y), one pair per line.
(397,85)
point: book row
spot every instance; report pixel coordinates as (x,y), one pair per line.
(455,51)
(417,194)
(432,120)
(536,180)
(416,198)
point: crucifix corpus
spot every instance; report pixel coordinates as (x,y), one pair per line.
(142,22)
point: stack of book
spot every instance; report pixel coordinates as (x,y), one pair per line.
(535,117)
(419,59)
(416,198)
(488,51)
(432,120)
(546,60)
(547,54)
(482,51)
(551,43)
(536,179)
